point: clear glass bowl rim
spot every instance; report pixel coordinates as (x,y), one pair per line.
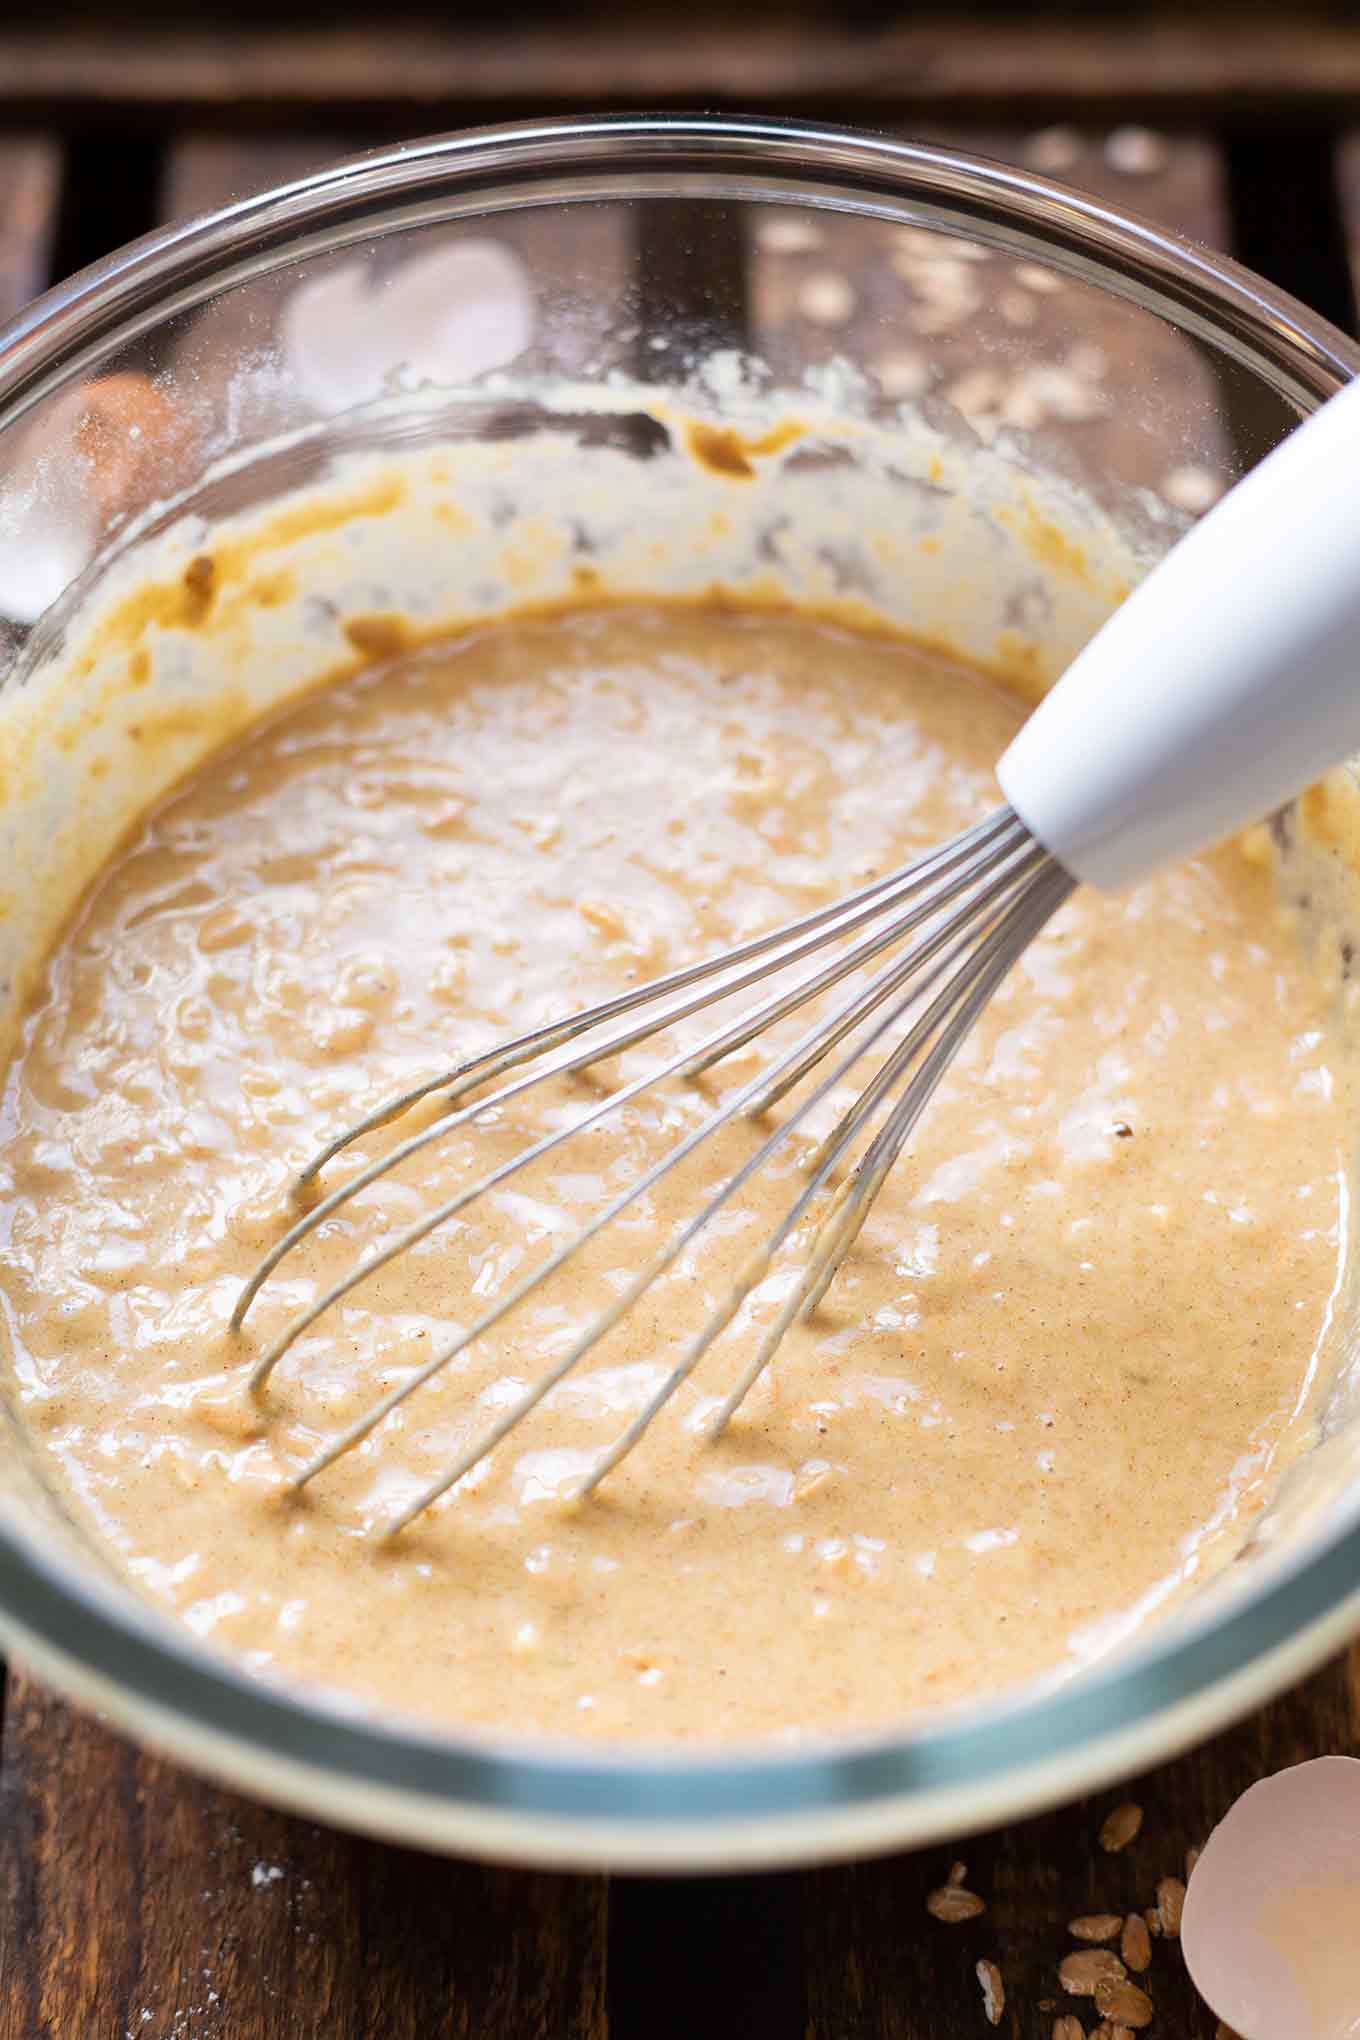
(570,1799)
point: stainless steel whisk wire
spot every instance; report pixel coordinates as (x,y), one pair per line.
(1002,886)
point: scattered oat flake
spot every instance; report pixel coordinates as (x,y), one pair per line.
(1170,1905)
(961,250)
(1119,1828)
(958,1874)
(1095,1927)
(952,1904)
(1070,394)
(1053,149)
(1124,2003)
(788,237)
(1021,407)
(1068,2028)
(1135,1943)
(945,302)
(993,1991)
(902,373)
(942,284)
(1034,278)
(1017,307)
(1137,151)
(920,244)
(1088,360)
(1152,1920)
(978,391)
(1192,489)
(826,298)
(1079,1974)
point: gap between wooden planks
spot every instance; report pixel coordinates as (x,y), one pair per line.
(137,1901)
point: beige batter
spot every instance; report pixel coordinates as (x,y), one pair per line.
(1051,1388)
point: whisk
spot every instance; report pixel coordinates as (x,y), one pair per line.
(1226,683)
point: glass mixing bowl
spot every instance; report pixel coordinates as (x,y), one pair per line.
(602,323)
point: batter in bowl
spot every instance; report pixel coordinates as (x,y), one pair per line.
(1077,1342)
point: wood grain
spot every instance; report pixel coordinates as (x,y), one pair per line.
(1013,68)
(137,1900)
(576,270)
(880,1968)
(30,175)
(1080,360)
(1179,178)
(205,171)
(1348,194)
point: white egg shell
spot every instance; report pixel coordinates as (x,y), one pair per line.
(1271,1929)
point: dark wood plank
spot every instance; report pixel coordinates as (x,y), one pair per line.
(1175,178)
(1023,66)
(30,178)
(574,272)
(205,171)
(1348,194)
(881,1968)
(991,338)
(137,1900)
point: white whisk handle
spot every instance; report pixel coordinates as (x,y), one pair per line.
(1225,684)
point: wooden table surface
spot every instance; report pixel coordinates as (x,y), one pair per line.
(138,1903)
